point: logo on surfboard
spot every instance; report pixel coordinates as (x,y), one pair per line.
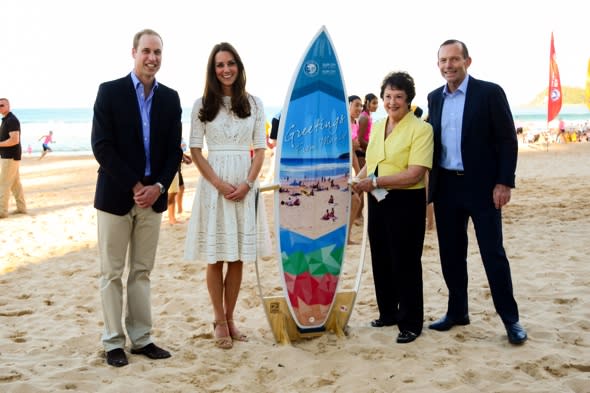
(311,68)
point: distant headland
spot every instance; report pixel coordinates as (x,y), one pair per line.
(571,96)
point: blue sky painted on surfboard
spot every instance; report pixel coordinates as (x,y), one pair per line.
(314,130)
(316,122)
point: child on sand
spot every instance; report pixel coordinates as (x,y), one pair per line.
(175,192)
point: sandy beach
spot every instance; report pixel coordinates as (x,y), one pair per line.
(51,316)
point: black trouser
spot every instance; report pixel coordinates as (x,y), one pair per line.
(454,204)
(396,233)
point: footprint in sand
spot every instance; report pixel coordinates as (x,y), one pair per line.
(9,375)
(15,313)
(18,337)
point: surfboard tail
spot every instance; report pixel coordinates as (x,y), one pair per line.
(282,324)
(285,330)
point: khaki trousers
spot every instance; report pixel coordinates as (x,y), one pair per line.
(10,182)
(133,238)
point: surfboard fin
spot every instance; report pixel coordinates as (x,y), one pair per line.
(278,317)
(337,321)
(282,324)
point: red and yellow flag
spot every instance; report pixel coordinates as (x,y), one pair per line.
(554,101)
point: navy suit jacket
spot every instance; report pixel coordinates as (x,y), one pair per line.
(117,143)
(489,147)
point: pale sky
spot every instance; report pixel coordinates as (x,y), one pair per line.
(56,53)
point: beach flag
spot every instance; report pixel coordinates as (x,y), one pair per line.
(554,101)
(588,86)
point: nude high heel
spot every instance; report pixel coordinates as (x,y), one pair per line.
(223,342)
(236,336)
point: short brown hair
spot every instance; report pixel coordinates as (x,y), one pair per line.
(138,35)
(454,41)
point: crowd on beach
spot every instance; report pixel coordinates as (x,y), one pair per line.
(392,157)
(559,131)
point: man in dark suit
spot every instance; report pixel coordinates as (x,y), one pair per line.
(136,133)
(474,164)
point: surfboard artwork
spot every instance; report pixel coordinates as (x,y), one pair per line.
(313,202)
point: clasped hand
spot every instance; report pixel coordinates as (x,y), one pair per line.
(363,185)
(146,196)
(234,193)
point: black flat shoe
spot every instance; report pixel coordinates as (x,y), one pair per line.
(378,323)
(117,358)
(405,337)
(152,351)
(446,323)
(516,333)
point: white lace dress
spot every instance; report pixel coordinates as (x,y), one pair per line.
(219,229)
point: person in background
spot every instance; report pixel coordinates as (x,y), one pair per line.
(48,139)
(223,228)
(133,177)
(186,159)
(10,158)
(561,136)
(365,122)
(177,188)
(429,208)
(398,156)
(354,108)
(271,140)
(271,143)
(474,169)
(418,112)
(171,206)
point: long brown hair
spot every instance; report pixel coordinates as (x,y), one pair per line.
(213,94)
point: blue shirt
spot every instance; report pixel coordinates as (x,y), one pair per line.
(145,109)
(451,126)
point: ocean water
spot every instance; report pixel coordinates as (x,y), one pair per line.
(72,126)
(307,169)
(71,129)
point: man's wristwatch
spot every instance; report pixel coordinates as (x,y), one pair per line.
(250,184)
(375,182)
(162,189)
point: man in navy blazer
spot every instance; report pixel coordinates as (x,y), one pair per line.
(136,134)
(474,164)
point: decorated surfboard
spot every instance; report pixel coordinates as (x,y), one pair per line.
(312,168)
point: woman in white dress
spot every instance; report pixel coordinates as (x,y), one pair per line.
(223,225)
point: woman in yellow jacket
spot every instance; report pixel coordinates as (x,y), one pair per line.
(398,156)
